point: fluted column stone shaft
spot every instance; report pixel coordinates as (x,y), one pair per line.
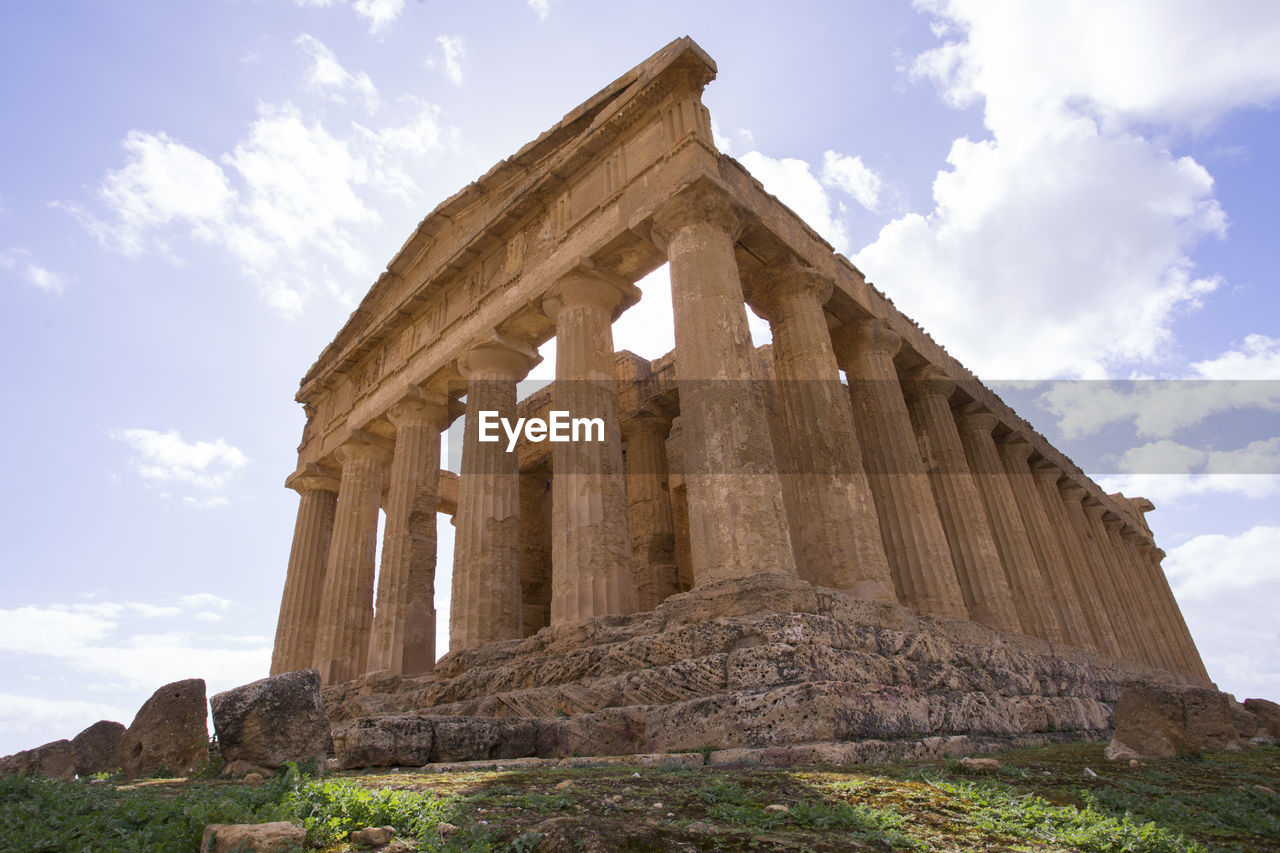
(346,608)
(649,511)
(404,623)
(834,526)
(1030,596)
(304,582)
(919,556)
(1145,624)
(1015,453)
(679,491)
(1075,564)
(485,606)
(736,509)
(1156,603)
(1197,667)
(983,582)
(591,554)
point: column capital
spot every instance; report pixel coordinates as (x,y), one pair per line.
(1157,555)
(311,478)
(358,449)
(973,418)
(927,381)
(498,357)
(429,408)
(702,204)
(869,335)
(1014,446)
(587,284)
(1046,471)
(784,280)
(645,420)
(1071,490)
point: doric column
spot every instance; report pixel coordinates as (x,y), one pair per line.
(304,583)
(1132,586)
(736,513)
(1015,453)
(1129,646)
(679,491)
(485,604)
(1158,601)
(649,515)
(835,532)
(1128,615)
(910,527)
(1195,662)
(346,608)
(404,623)
(1075,563)
(973,548)
(1030,596)
(591,560)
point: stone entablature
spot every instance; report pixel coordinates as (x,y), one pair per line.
(915,484)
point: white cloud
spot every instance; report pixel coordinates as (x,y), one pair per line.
(541,8)
(330,79)
(1067,221)
(1213,574)
(454,51)
(1169,472)
(852,175)
(379,13)
(24,716)
(795,186)
(1257,358)
(163,457)
(45,279)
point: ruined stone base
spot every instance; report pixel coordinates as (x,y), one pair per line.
(759,669)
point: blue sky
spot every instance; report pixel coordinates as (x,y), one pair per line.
(194,196)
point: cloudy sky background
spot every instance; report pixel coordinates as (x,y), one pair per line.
(193,197)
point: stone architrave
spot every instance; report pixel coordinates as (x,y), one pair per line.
(403,638)
(304,581)
(736,508)
(973,548)
(1007,527)
(834,526)
(649,511)
(485,606)
(1075,565)
(591,558)
(1015,453)
(914,541)
(346,607)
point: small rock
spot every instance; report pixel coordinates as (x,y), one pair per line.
(1263,789)
(701,827)
(980,765)
(252,837)
(374,836)
(1117,751)
(1133,762)
(253,778)
(1090,773)
(446,829)
(617,798)
(777,807)
(565,785)
(635,775)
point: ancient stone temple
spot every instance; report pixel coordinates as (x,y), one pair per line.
(843,537)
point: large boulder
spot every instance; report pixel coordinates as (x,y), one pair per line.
(403,741)
(169,733)
(1266,713)
(54,760)
(96,748)
(272,720)
(275,837)
(1163,721)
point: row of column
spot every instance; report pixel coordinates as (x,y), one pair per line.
(880,489)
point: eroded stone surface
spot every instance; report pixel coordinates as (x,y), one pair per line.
(169,732)
(54,760)
(96,747)
(275,837)
(272,720)
(1164,721)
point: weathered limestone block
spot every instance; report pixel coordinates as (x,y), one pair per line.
(476,738)
(1267,714)
(403,741)
(1246,724)
(169,732)
(95,748)
(275,837)
(272,720)
(612,731)
(54,760)
(1163,721)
